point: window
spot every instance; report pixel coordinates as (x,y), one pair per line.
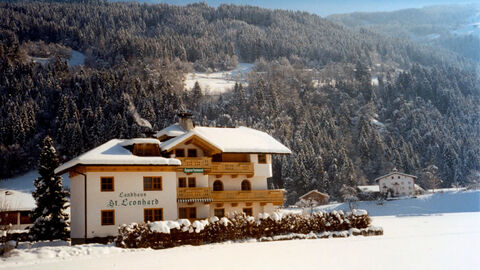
(191,182)
(152,183)
(248,211)
(8,218)
(246,185)
(219,212)
(106,184)
(108,217)
(262,158)
(192,152)
(187,212)
(217,185)
(399,177)
(25,217)
(152,214)
(179,152)
(182,182)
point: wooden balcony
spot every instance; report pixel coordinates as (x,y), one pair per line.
(195,162)
(266,196)
(197,194)
(232,168)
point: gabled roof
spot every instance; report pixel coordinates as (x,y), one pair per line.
(113,152)
(231,140)
(13,200)
(314,191)
(394,173)
(171,131)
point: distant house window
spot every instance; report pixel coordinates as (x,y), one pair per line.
(179,152)
(392,177)
(25,217)
(152,214)
(106,184)
(192,152)
(398,177)
(191,182)
(8,218)
(217,185)
(248,211)
(152,183)
(246,185)
(187,212)
(262,158)
(219,212)
(108,217)
(182,182)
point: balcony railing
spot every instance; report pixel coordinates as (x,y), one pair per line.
(267,196)
(195,162)
(204,194)
(232,168)
(197,194)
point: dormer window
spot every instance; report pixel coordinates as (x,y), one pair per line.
(146,150)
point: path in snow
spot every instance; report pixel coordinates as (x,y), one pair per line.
(448,241)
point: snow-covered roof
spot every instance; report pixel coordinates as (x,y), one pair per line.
(372,188)
(113,153)
(171,131)
(13,200)
(314,191)
(394,173)
(232,140)
(140,141)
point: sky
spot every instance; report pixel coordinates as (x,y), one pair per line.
(326,7)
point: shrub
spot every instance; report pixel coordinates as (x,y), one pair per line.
(164,234)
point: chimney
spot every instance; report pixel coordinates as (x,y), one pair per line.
(186,120)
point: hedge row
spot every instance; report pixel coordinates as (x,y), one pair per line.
(164,234)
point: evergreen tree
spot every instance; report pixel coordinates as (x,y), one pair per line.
(50,220)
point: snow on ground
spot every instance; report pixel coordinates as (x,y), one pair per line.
(444,202)
(76,58)
(440,241)
(24,183)
(218,82)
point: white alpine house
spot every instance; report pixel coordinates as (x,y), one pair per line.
(183,172)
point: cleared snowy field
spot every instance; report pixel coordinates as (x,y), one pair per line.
(440,241)
(218,82)
(447,201)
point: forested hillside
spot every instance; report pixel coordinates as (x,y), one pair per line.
(350,104)
(455,28)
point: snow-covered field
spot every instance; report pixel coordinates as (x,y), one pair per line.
(438,203)
(76,58)
(439,241)
(218,82)
(433,231)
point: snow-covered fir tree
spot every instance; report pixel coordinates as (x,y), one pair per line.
(50,219)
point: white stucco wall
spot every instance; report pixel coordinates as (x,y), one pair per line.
(405,184)
(77,204)
(127,208)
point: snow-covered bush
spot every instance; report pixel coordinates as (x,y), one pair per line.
(164,234)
